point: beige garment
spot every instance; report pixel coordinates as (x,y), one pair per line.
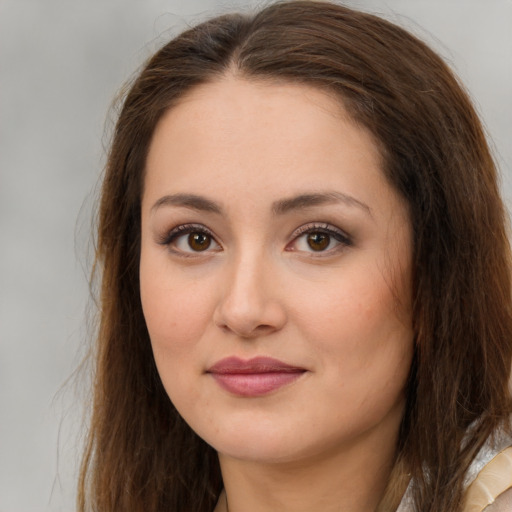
(503,503)
(494,480)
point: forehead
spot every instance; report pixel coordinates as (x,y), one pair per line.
(257,131)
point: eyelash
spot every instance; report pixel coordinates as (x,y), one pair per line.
(174,234)
(331,231)
(338,235)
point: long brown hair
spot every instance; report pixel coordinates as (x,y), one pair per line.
(141,456)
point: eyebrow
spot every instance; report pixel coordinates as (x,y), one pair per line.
(191,201)
(279,207)
(317,199)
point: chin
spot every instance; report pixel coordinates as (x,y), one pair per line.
(270,445)
(262,451)
(257,442)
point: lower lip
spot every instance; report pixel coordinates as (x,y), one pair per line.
(255,384)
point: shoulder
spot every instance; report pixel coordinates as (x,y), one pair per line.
(490,485)
(503,503)
(488,481)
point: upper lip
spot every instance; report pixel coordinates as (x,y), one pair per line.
(235,365)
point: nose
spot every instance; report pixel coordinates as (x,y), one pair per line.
(249,305)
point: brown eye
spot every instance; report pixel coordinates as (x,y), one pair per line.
(198,241)
(190,240)
(318,241)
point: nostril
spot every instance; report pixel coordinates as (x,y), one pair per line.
(246,331)
(264,329)
(251,324)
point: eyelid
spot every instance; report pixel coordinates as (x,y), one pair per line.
(344,240)
(339,235)
(320,226)
(172,235)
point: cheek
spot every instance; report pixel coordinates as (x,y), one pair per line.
(177,315)
(176,312)
(358,311)
(364,337)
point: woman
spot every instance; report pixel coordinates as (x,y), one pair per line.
(305,278)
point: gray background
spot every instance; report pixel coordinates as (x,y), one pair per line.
(61,63)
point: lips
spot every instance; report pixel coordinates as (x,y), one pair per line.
(253,377)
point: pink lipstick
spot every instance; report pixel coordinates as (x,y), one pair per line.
(253,377)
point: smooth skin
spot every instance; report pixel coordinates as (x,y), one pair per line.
(269,229)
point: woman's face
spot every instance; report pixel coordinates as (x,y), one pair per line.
(275,272)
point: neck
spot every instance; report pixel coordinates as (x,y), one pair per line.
(351,478)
